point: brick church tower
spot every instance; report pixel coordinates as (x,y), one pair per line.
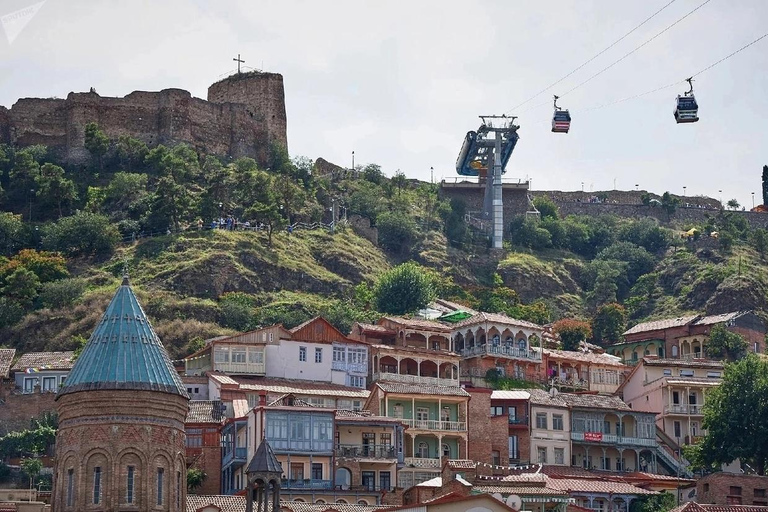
(120,444)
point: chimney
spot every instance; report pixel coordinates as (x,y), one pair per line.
(262,398)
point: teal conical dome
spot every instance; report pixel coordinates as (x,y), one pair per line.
(124,352)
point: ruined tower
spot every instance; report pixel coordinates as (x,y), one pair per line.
(121,442)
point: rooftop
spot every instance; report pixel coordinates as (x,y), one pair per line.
(44,361)
(687,363)
(298,387)
(717,319)
(418,323)
(205,411)
(496,318)
(589,401)
(6,356)
(419,389)
(595,486)
(376,329)
(124,352)
(658,325)
(513,394)
(541,397)
(587,357)
(698,507)
(264,460)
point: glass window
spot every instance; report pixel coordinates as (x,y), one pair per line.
(713,375)
(255,356)
(129,484)
(559,455)
(557,422)
(385,439)
(512,413)
(96,485)
(356,355)
(497,410)
(422,413)
(385,480)
(667,372)
(542,453)
(339,355)
(397,411)
(221,355)
(495,458)
(160,475)
(317,471)
(178,490)
(194,437)
(70,486)
(318,355)
(356,381)
(238,355)
(29,384)
(302,354)
(49,383)
(541,420)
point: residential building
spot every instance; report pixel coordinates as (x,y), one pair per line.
(608,435)
(487,439)
(436,417)
(695,507)
(675,390)
(6,358)
(583,370)
(489,341)
(550,437)
(513,406)
(42,372)
(240,354)
(723,488)
(203,440)
(197,386)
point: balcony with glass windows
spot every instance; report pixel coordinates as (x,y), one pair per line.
(366,451)
(502,350)
(233,455)
(307,483)
(239,360)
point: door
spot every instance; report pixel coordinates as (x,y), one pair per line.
(369,443)
(423,450)
(297,471)
(422,417)
(369,480)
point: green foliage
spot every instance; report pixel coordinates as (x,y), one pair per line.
(46,266)
(603,279)
(11,233)
(546,207)
(96,141)
(736,416)
(662,502)
(527,233)
(30,442)
(343,315)
(373,173)
(366,201)
(725,241)
(456,229)
(669,204)
(236,310)
(21,286)
(131,152)
(759,240)
(404,289)
(733,204)
(79,343)
(195,478)
(609,323)
(31,468)
(55,189)
(397,232)
(85,233)
(63,293)
(11,311)
(572,332)
(724,344)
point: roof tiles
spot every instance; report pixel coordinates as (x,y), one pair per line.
(658,325)
(496,318)
(6,357)
(205,411)
(45,361)
(419,389)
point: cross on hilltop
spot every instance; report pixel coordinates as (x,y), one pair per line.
(239,61)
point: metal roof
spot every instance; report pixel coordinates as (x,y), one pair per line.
(124,352)
(264,461)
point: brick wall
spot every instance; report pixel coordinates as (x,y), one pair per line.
(16,410)
(732,488)
(485,434)
(207,458)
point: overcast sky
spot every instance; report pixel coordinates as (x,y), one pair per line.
(401,82)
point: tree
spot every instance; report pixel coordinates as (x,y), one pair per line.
(172,203)
(11,233)
(546,207)
(22,286)
(54,188)
(609,323)
(404,289)
(48,266)
(31,468)
(572,332)
(373,173)
(84,233)
(96,142)
(733,204)
(397,232)
(669,204)
(725,240)
(131,152)
(663,502)
(736,416)
(724,344)
(195,478)
(759,240)
(527,233)
(456,229)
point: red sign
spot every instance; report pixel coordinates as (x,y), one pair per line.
(593,436)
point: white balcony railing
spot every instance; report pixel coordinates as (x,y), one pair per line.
(419,462)
(684,409)
(614,439)
(343,366)
(241,368)
(415,379)
(451,426)
(502,351)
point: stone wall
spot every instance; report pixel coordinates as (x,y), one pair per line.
(16,410)
(240,122)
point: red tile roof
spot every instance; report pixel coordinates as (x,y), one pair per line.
(378,329)
(45,361)
(581,485)
(660,325)
(697,507)
(299,387)
(421,389)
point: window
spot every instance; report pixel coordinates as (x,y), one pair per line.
(397,411)
(255,356)
(339,355)
(297,471)
(513,455)
(238,355)
(713,375)
(303,354)
(495,458)
(423,450)
(676,397)
(677,428)
(686,373)
(96,485)
(422,414)
(356,355)
(447,451)
(692,399)
(317,471)
(694,428)
(607,427)
(62,379)
(356,381)
(674,350)
(542,452)
(607,463)
(49,384)
(385,480)
(29,384)
(160,476)
(318,355)
(497,410)
(70,486)
(385,439)
(445,414)
(667,372)
(512,414)
(559,455)
(557,422)
(734,491)
(541,420)
(129,484)
(194,437)
(178,490)
(759,493)
(197,390)
(368,479)
(221,355)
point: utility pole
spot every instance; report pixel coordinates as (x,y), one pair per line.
(432,180)
(353,160)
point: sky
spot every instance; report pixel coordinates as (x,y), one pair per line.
(400,82)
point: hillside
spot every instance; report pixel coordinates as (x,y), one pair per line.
(150,212)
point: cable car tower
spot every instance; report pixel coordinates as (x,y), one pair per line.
(485,154)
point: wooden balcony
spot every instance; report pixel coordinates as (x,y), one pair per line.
(449,426)
(415,379)
(241,368)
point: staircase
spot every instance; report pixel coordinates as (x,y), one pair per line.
(676,467)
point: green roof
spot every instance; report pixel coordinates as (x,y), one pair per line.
(455,316)
(124,352)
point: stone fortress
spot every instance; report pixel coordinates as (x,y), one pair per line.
(243,115)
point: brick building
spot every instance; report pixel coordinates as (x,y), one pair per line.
(732,489)
(512,407)
(121,442)
(203,430)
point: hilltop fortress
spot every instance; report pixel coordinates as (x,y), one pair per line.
(243,115)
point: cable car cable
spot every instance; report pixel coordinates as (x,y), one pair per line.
(649,18)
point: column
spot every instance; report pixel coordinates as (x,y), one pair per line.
(602,462)
(440,447)
(440,413)
(637,460)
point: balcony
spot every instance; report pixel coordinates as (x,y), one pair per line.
(369,451)
(519,420)
(415,379)
(452,426)
(608,439)
(343,366)
(693,409)
(236,457)
(503,351)
(307,483)
(420,462)
(241,368)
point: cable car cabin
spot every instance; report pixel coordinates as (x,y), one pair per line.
(687,110)
(561,121)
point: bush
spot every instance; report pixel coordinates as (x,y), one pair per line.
(10,312)
(84,233)
(397,232)
(59,294)
(404,289)
(236,311)
(546,207)
(527,233)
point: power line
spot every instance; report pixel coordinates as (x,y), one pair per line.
(731,55)
(649,18)
(635,49)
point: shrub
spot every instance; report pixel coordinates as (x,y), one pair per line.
(59,294)
(397,231)
(404,289)
(84,233)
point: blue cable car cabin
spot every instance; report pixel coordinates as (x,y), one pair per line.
(561,121)
(687,110)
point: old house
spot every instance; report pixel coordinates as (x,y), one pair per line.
(42,372)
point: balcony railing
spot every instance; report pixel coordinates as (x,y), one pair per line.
(307,483)
(237,457)
(363,451)
(613,439)
(684,409)
(453,426)
(502,350)
(421,462)
(344,366)
(415,379)
(519,420)
(241,368)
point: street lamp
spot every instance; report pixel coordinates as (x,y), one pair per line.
(582,186)
(753,199)
(684,187)
(353,160)
(432,175)
(636,185)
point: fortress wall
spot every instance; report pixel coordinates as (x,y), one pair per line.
(38,121)
(5,126)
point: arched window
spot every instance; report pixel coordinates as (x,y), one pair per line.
(343,478)
(521,344)
(423,450)
(674,351)
(362,502)
(446,450)
(340,502)
(320,502)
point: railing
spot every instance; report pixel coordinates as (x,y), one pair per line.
(684,409)
(307,483)
(614,439)
(569,383)
(502,350)
(420,462)
(455,426)
(415,379)
(241,368)
(236,456)
(343,366)
(519,420)
(370,451)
